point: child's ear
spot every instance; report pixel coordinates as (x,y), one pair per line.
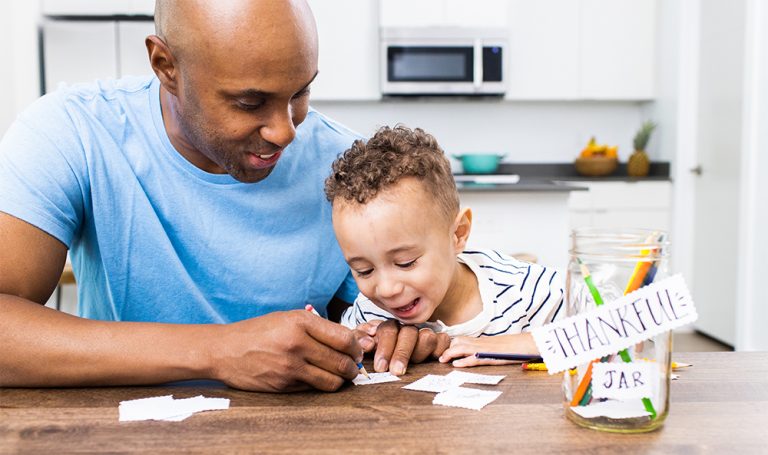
(462,225)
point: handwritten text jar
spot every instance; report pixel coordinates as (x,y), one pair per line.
(626,390)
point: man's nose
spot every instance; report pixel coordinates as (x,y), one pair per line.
(279,130)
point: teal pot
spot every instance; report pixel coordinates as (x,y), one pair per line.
(480,163)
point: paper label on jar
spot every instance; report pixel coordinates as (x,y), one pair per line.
(623,381)
(617,325)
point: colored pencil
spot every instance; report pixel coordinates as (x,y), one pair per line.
(500,356)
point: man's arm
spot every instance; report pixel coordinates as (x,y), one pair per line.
(43,347)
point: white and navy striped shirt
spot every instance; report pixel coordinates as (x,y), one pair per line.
(516,295)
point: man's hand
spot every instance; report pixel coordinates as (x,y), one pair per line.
(396,345)
(286,351)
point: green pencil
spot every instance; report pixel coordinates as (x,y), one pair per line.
(623,353)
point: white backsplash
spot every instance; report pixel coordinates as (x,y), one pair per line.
(528,132)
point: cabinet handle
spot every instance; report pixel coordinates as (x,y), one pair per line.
(696,170)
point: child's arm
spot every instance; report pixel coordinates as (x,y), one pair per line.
(462,350)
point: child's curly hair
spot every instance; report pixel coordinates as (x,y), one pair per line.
(391,154)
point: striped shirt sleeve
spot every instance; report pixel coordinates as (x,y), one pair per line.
(362,311)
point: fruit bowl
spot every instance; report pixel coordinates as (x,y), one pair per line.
(596,166)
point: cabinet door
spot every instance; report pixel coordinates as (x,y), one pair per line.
(78,51)
(349,50)
(132,56)
(543,49)
(483,13)
(409,13)
(618,49)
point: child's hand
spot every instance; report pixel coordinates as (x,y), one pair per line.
(463,349)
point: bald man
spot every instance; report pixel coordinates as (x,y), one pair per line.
(192,205)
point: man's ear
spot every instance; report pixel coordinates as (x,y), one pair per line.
(462,225)
(163,63)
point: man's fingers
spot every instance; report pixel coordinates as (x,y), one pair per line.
(386,339)
(333,335)
(443,342)
(406,342)
(320,379)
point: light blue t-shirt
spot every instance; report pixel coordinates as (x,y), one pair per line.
(154,238)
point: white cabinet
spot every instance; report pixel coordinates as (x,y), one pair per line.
(618,49)
(582,49)
(132,52)
(622,204)
(78,51)
(543,50)
(348,50)
(443,13)
(513,222)
(82,51)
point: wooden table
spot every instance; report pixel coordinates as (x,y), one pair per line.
(720,405)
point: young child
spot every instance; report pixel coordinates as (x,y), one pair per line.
(397,219)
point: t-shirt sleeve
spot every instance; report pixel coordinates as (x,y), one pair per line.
(41,168)
(546,293)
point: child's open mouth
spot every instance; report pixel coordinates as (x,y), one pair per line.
(407,310)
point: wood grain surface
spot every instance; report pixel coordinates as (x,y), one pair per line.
(720,405)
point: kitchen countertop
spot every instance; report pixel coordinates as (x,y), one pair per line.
(559,177)
(525,184)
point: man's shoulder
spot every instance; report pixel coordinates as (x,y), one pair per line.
(94,99)
(321,130)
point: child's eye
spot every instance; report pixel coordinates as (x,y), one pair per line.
(406,265)
(363,273)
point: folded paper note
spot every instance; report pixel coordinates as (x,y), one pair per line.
(617,325)
(612,409)
(375,378)
(166,408)
(463,397)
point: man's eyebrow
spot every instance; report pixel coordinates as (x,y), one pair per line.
(256,93)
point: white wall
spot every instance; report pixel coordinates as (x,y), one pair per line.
(527,131)
(20,76)
(752,293)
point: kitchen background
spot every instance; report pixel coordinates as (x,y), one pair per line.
(574,69)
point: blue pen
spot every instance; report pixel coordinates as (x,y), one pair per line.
(360,366)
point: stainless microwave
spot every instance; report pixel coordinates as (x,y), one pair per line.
(443,61)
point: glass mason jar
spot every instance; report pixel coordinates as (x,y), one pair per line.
(606,264)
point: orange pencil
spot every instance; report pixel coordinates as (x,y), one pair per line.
(585,382)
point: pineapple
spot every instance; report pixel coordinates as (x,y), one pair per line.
(639,164)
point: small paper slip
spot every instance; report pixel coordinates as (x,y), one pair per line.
(433,383)
(166,408)
(462,377)
(613,409)
(463,397)
(376,378)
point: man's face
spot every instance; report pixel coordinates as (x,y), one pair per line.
(400,248)
(238,112)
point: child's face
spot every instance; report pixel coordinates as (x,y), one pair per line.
(401,249)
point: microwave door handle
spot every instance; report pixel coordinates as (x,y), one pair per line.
(478,67)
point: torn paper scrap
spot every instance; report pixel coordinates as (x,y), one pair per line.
(464,377)
(433,383)
(463,397)
(609,328)
(375,378)
(624,381)
(612,409)
(166,408)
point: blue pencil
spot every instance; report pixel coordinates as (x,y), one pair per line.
(499,356)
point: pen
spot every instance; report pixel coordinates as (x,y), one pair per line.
(500,356)
(360,366)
